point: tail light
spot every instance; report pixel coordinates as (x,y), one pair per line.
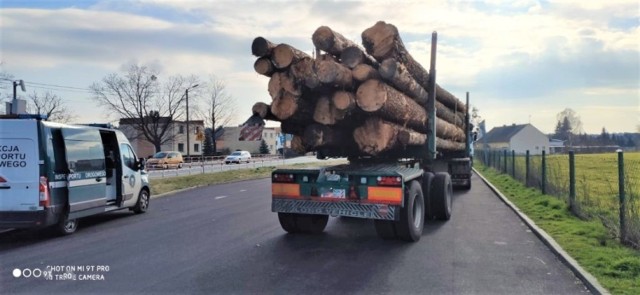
(389,180)
(283,178)
(45,199)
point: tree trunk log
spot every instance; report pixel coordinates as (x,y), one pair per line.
(364,72)
(297,145)
(374,96)
(332,73)
(354,55)
(261,47)
(448,145)
(343,101)
(383,41)
(376,136)
(379,98)
(316,136)
(397,75)
(329,41)
(284,55)
(263,66)
(291,127)
(303,73)
(283,82)
(324,112)
(264,111)
(284,106)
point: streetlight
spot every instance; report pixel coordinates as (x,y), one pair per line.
(186,94)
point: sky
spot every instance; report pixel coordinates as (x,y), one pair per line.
(522,61)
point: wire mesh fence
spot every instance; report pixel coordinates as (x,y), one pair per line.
(605,187)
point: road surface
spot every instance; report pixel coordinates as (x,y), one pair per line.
(224,239)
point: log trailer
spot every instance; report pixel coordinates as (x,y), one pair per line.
(397,190)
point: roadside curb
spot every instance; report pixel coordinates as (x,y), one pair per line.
(587,279)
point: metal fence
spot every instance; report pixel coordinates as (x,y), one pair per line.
(595,186)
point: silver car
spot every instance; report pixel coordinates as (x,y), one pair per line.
(238,157)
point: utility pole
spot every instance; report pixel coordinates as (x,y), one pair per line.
(186,94)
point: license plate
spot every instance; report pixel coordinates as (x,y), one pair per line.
(334,193)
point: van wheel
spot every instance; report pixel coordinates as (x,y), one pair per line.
(66,226)
(143,202)
(179,165)
(165,166)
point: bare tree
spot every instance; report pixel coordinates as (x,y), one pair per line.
(573,119)
(218,106)
(50,105)
(137,97)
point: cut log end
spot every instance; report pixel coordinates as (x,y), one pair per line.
(261,47)
(284,55)
(374,136)
(370,96)
(284,106)
(343,100)
(380,39)
(323,112)
(363,72)
(261,109)
(323,38)
(263,66)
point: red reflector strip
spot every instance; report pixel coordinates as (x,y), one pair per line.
(285,189)
(390,180)
(389,195)
(283,178)
(43,188)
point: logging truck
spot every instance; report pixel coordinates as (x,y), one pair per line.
(406,139)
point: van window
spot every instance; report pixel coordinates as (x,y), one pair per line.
(84,155)
(160,155)
(128,158)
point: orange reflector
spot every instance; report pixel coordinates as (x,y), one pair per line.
(385,194)
(285,189)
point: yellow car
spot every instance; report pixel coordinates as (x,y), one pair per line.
(164,160)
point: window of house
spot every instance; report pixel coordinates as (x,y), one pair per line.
(196,148)
(197,130)
(181,129)
(181,147)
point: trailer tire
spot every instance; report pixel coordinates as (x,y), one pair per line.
(411,223)
(288,222)
(427,181)
(385,229)
(441,196)
(303,223)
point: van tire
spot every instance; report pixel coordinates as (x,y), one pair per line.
(66,226)
(143,202)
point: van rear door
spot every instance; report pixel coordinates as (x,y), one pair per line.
(19,170)
(87,171)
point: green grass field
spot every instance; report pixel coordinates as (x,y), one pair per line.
(588,241)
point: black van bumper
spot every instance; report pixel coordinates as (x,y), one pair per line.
(29,219)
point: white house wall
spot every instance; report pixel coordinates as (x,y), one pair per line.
(529,138)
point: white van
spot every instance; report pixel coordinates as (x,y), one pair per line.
(51,174)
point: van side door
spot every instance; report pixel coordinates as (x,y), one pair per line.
(87,171)
(131,180)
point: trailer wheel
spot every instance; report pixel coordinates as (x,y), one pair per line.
(303,223)
(66,226)
(409,227)
(427,181)
(385,229)
(441,195)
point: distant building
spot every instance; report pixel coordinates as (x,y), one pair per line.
(229,139)
(519,138)
(556,146)
(176,135)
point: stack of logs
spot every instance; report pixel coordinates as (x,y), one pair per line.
(351,102)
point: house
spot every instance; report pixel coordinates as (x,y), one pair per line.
(519,138)
(556,146)
(176,137)
(229,139)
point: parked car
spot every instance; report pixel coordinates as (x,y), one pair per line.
(238,157)
(164,160)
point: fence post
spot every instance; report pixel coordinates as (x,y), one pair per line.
(544,173)
(505,170)
(513,164)
(526,169)
(572,182)
(623,209)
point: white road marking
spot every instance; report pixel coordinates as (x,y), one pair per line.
(243,190)
(220,197)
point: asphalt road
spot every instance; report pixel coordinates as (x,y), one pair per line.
(224,239)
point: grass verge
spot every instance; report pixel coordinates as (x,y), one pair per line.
(165,185)
(616,267)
